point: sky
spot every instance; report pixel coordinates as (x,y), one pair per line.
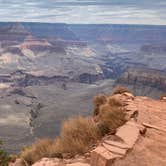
(85,11)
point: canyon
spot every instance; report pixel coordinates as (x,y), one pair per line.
(49,72)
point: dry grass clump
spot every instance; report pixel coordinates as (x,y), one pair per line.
(120,90)
(38,150)
(109,121)
(115,102)
(98,101)
(110,115)
(76,137)
(79,134)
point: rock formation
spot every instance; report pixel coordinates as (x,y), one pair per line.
(140,141)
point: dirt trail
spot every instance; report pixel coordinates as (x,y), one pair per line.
(150,150)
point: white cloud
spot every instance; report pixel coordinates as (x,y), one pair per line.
(79,11)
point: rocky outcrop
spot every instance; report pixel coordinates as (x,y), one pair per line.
(134,143)
(109,150)
(25,79)
(146,77)
(12,34)
(154,48)
(144,81)
(89,78)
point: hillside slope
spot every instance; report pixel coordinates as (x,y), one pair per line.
(139,142)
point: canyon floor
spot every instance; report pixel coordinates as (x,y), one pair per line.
(49,72)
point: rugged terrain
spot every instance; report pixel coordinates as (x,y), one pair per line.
(139,142)
(49,72)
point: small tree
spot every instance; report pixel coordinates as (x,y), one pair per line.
(4,157)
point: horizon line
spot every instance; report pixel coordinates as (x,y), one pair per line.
(82,23)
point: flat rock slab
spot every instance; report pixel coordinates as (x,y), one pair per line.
(48,162)
(78,164)
(115,149)
(102,157)
(117,144)
(129,133)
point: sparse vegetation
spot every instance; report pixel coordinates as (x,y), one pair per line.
(4,157)
(111,120)
(79,134)
(111,115)
(115,102)
(76,136)
(120,90)
(38,150)
(98,101)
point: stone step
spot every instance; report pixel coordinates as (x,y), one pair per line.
(115,149)
(102,157)
(129,133)
(117,144)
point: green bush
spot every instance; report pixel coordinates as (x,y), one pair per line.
(4,157)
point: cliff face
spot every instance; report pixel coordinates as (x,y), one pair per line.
(142,81)
(12,34)
(154,48)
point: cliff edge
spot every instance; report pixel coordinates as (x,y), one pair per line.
(140,141)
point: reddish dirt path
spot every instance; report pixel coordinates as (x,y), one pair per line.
(150,150)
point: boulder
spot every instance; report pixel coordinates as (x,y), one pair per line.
(117,144)
(129,133)
(114,149)
(48,162)
(102,157)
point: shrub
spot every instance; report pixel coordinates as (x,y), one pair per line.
(111,115)
(76,137)
(120,90)
(104,108)
(37,151)
(109,121)
(80,133)
(4,157)
(98,101)
(103,128)
(113,101)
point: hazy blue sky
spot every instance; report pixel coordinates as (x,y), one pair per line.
(85,11)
